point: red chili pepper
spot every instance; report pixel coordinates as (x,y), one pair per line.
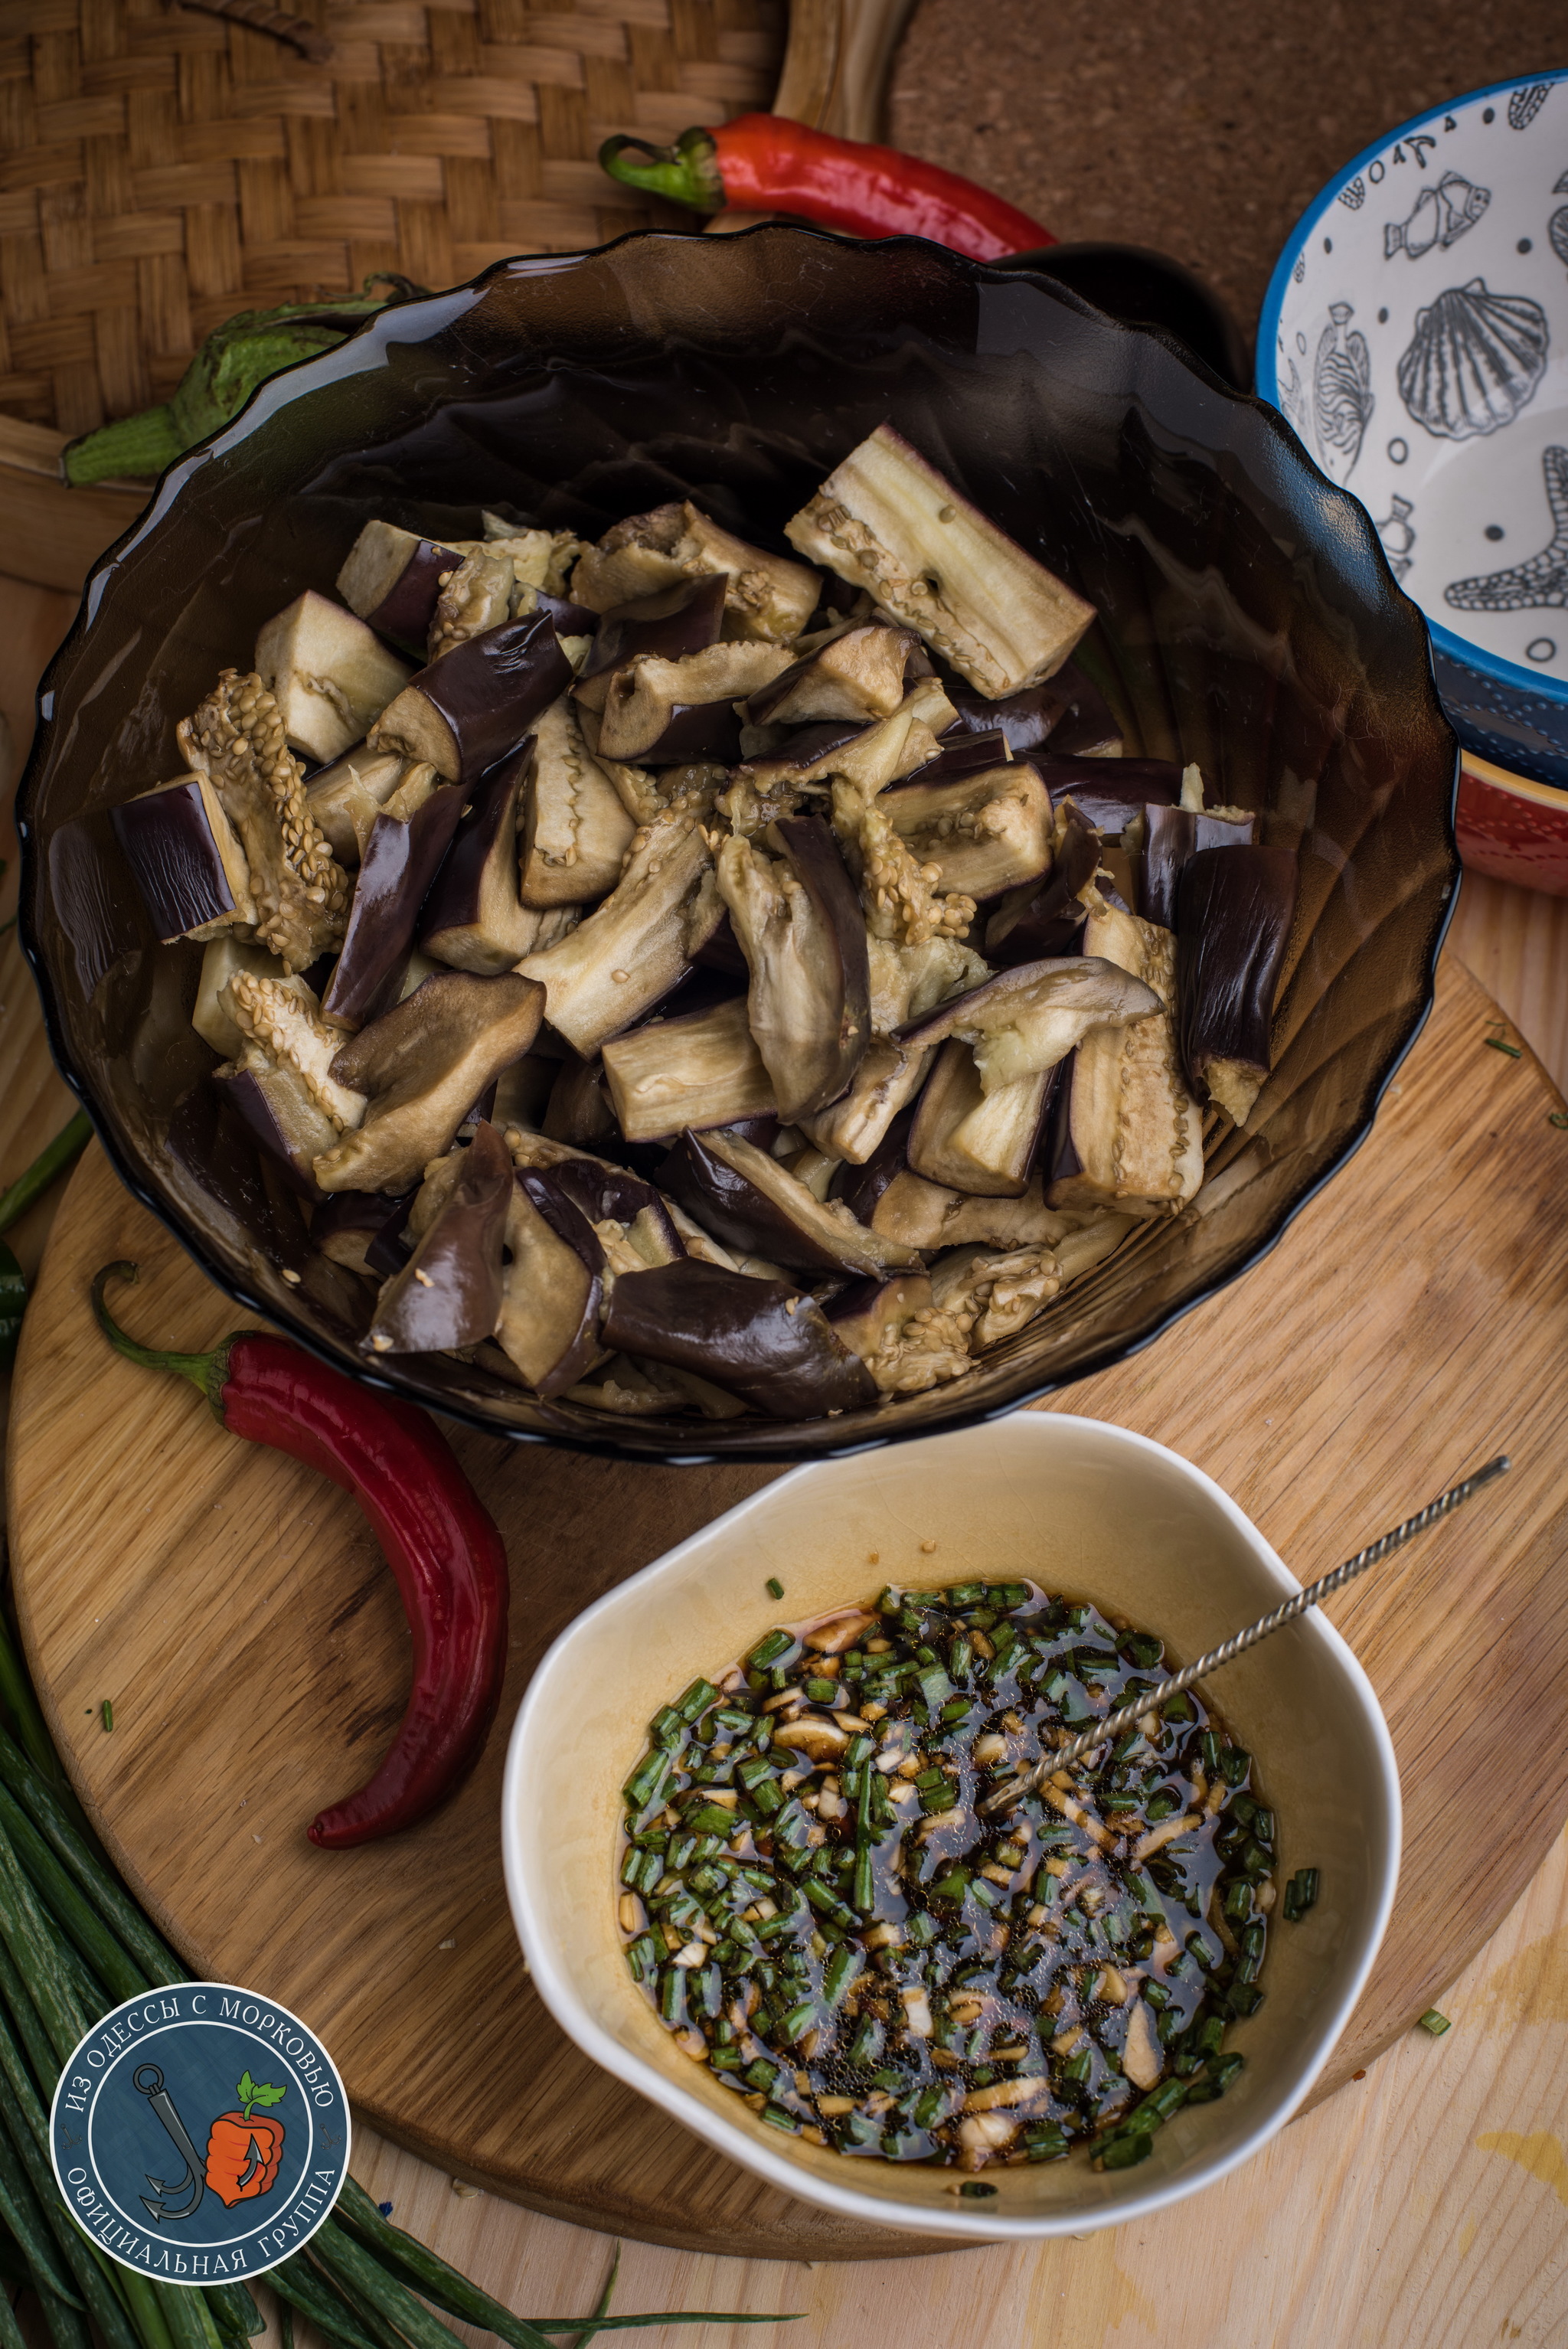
(766,163)
(442,1544)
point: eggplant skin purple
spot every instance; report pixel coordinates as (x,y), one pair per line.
(760,1340)
(1234,911)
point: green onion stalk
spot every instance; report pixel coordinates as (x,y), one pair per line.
(74,1944)
(234,360)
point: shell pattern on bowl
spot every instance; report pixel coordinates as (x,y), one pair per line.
(1416,334)
(1246,622)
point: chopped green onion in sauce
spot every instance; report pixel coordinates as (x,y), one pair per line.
(814,1904)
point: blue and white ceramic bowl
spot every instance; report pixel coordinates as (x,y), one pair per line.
(1416,334)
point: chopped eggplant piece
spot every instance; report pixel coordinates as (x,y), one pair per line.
(281,1022)
(300,892)
(766,596)
(677,622)
(1040,921)
(423,1065)
(1236,907)
(1173,836)
(887,1079)
(345,1226)
(799,925)
(474,918)
(1023,720)
(898,1332)
(899,893)
(795,760)
(1089,728)
(960,755)
(186,859)
(553,1289)
(703,1070)
(985,835)
(576,829)
(1026,1020)
(608,1194)
(523,1091)
(1109,793)
(476,702)
(222,958)
(345,798)
(886,521)
(475,598)
(857,674)
(907,981)
(660,711)
(541,559)
(756,1204)
(889,1196)
(1096,1237)
(996,1294)
(274,1103)
(635,946)
(968,1139)
(759,1339)
(1133,1132)
(579,1108)
(328,673)
(450,1291)
(392,578)
(407,840)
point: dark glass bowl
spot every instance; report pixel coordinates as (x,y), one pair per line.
(1248,620)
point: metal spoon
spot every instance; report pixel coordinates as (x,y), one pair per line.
(1100,1732)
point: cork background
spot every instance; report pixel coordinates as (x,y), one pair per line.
(1202,127)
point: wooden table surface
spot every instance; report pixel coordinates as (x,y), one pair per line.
(1423,2204)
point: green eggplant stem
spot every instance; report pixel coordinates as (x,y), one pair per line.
(686,173)
(49,1161)
(135,448)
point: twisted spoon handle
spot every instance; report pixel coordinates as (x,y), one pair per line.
(1101,1731)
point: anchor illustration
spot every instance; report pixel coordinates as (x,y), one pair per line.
(148,2081)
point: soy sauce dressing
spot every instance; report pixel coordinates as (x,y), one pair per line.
(817,1910)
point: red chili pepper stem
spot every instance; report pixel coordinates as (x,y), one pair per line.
(208,1372)
(686,173)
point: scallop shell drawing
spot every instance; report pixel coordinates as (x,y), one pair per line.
(1341,392)
(1474,360)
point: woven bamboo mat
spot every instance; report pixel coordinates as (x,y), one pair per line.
(160,169)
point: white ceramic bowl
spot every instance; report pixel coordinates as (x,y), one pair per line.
(1416,334)
(1079,1507)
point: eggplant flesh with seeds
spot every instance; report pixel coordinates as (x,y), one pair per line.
(475,704)
(282,1118)
(450,1291)
(423,1065)
(477,595)
(576,829)
(607,1194)
(328,673)
(223,959)
(756,1204)
(1132,1133)
(1175,834)
(681,620)
(889,1197)
(887,520)
(766,596)
(985,833)
(859,673)
(1026,1020)
(406,844)
(893,1327)
(968,1139)
(659,711)
(1236,907)
(699,1071)
(1043,920)
(392,577)
(345,798)
(759,1339)
(186,859)
(474,917)
(799,925)
(853,1128)
(553,1288)
(635,946)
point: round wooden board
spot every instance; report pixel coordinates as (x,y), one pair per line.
(1413,1321)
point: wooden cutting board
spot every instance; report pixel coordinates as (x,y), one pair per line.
(1413,1321)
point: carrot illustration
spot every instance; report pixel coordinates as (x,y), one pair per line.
(243,2151)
